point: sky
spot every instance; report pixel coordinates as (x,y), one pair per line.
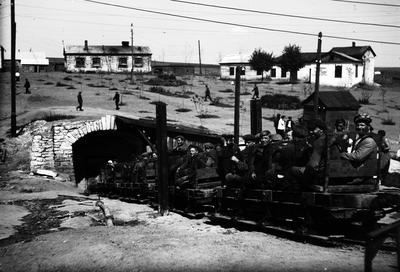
(45,25)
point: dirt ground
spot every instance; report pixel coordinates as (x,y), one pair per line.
(66,232)
(48,225)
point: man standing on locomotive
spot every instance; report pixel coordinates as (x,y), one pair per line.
(313,170)
(364,147)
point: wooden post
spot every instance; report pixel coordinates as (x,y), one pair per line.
(162,153)
(255,116)
(237,105)
(133,59)
(317,72)
(198,42)
(13,70)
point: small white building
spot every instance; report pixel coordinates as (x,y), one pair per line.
(31,61)
(107,58)
(228,67)
(341,67)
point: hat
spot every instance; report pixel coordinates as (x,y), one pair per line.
(265,133)
(317,123)
(208,145)
(340,121)
(362,118)
(249,137)
(228,136)
(179,137)
(276,137)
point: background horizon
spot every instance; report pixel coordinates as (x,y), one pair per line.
(45,26)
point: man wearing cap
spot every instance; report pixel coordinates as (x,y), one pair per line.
(364,147)
(260,162)
(181,146)
(315,165)
(209,155)
(231,166)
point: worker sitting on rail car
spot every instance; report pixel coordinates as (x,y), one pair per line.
(260,162)
(181,145)
(340,140)
(312,172)
(364,148)
(231,167)
(209,155)
(186,172)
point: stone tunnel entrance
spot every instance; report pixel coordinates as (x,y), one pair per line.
(91,152)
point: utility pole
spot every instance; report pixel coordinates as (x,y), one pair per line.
(316,92)
(198,42)
(133,60)
(13,83)
(237,105)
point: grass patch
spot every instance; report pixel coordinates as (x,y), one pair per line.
(165,80)
(71,87)
(183,110)
(113,89)
(48,83)
(126,92)
(217,101)
(144,97)
(38,98)
(67,78)
(97,85)
(61,84)
(143,111)
(226,91)
(207,116)
(280,101)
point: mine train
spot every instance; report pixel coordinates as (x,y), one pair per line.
(334,204)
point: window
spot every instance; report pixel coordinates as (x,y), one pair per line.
(138,62)
(96,62)
(273,72)
(356,70)
(283,73)
(243,71)
(259,73)
(231,71)
(80,62)
(123,63)
(338,71)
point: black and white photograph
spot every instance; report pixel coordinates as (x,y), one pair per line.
(199,135)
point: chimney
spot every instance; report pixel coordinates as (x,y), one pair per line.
(353,44)
(86,46)
(125,44)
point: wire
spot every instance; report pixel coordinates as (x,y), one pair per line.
(240,25)
(285,15)
(367,3)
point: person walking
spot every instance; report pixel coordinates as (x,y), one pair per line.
(208,94)
(256,92)
(281,126)
(80,102)
(116,99)
(27,85)
(276,121)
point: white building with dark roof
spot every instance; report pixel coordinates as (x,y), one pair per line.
(107,58)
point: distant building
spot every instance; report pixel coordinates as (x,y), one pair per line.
(56,65)
(107,58)
(341,67)
(31,61)
(179,68)
(333,105)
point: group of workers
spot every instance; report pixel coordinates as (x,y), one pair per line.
(266,157)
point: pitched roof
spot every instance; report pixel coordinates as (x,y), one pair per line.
(334,100)
(354,51)
(32,58)
(236,58)
(106,50)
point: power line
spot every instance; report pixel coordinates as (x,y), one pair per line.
(367,3)
(239,25)
(285,15)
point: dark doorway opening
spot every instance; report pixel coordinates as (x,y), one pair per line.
(91,152)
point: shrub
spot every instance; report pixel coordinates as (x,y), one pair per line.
(227,91)
(365,96)
(97,85)
(183,110)
(165,80)
(71,87)
(217,101)
(67,78)
(48,83)
(205,116)
(113,89)
(388,121)
(280,101)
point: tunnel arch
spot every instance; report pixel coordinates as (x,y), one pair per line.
(91,152)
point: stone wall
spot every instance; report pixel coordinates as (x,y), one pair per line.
(52,143)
